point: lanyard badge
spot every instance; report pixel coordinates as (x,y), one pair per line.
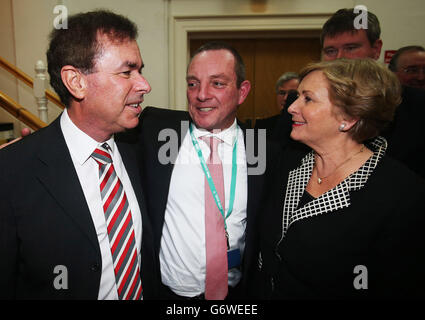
(211,182)
(233,256)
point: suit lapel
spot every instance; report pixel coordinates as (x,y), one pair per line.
(57,174)
(252,194)
(165,174)
(129,156)
(297,181)
(254,180)
(158,175)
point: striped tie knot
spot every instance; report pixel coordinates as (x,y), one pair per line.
(102,155)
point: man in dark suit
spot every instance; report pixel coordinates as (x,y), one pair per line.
(175,183)
(73,221)
(285,87)
(408,63)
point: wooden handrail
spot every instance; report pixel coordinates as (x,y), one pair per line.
(29,81)
(20,113)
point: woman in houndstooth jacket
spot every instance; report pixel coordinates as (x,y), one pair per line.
(344,220)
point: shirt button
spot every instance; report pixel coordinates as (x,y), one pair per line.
(95,267)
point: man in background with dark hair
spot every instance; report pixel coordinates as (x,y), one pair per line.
(408,63)
(73,221)
(340,38)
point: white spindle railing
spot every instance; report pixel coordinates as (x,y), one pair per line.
(40,90)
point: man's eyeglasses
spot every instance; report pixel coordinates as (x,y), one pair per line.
(414,70)
(287,92)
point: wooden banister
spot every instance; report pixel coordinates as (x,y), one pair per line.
(20,113)
(29,81)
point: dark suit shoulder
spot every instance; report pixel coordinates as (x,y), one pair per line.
(413,98)
(155,112)
(153,120)
(267,123)
(26,148)
(287,158)
(396,173)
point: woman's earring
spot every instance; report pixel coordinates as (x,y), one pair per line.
(341,127)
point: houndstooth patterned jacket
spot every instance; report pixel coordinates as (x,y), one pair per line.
(332,200)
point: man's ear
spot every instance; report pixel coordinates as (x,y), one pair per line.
(244,90)
(75,81)
(377,46)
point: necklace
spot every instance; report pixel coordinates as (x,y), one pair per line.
(319,180)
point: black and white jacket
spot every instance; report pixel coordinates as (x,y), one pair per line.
(363,239)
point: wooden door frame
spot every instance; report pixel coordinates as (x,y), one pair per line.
(180,27)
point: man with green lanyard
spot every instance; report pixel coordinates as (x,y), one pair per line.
(208,173)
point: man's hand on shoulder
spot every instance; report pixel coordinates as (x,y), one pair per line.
(24,132)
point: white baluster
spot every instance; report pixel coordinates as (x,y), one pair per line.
(39,89)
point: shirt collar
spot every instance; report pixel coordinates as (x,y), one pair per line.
(80,145)
(227,135)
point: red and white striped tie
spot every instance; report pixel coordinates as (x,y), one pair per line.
(120,227)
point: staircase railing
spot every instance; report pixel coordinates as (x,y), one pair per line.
(20,113)
(51,96)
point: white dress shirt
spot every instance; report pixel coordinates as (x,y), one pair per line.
(81,146)
(182,252)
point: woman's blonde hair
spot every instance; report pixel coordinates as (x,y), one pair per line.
(362,89)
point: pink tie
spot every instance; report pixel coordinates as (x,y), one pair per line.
(216,285)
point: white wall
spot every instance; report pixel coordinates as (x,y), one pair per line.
(402,22)
(27,23)
(33,21)
(254,7)
(151,18)
(8,83)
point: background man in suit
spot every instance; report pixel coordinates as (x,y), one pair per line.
(341,39)
(278,127)
(60,237)
(176,189)
(408,63)
(284,85)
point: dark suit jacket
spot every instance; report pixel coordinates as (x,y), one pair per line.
(279,126)
(382,229)
(45,222)
(157,176)
(405,135)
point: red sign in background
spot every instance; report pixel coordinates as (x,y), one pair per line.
(388,55)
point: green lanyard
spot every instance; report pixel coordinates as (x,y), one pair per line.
(210,180)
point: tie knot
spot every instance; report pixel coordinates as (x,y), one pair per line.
(101,154)
(213,143)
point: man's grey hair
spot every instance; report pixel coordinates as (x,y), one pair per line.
(284,78)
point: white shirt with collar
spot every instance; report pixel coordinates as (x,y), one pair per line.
(81,146)
(182,252)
